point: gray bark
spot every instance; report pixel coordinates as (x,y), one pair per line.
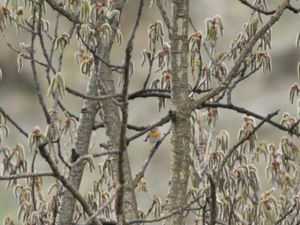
(111,117)
(82,141)
(102,75)
(112,121)
(181,129)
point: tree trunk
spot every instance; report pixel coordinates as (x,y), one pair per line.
(101,75)
(180,105)
(111,117)
(82,141)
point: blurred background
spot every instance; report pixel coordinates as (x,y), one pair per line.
(262,93)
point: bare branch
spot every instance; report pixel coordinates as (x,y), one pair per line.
(168,215)
(61,156)
(283,217)
(124,112)
(234,148)
(32,182)
(163,14)
(19,52)
(141,173)
(34,73)
(150,93)
(58,8)
(245,2)
(192,24)
(151,61)
(213,200)
(240,79)
(234,70)
(137,94)
(270,12)
(103,206)
(17,126)
(255,115)
(95,155)
(97,56)
(84,96)
(26,175)
(45,154)
(293,9)
(161,122)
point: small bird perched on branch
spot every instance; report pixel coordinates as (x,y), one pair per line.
(74,155)
(153,135)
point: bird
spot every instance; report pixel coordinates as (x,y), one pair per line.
(153,135)
(74,155)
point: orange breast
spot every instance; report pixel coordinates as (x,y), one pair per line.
(155,133)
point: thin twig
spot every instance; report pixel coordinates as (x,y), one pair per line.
(56,173)
(163,14)
(137,94)
(17,126)
(61,55)
(240,142)
(61,156)
(174,212)
(234,70)
(213,200)
(250,113)
(151,61)
(59,8)
(270,12)
(124,113)
(192,24)
(282,218)
(34,73)
(141,173)
(97,56)
(242,77)
(32,180)
(43,46)
(129,126)
(84,96)
(161,122)
(103,206)
(26,175)
(21,25)
(49,57)
(19,52)
(96,155)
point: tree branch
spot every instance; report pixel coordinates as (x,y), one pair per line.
(141,173)
(246,3)
(163,14)
(17,126)
(103,206)
(26,175)
(124,112)
(233,148)
(161,122)
(250,113)
(45,154)
(58,8)
(234,70)
(166,216)
(35,79)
